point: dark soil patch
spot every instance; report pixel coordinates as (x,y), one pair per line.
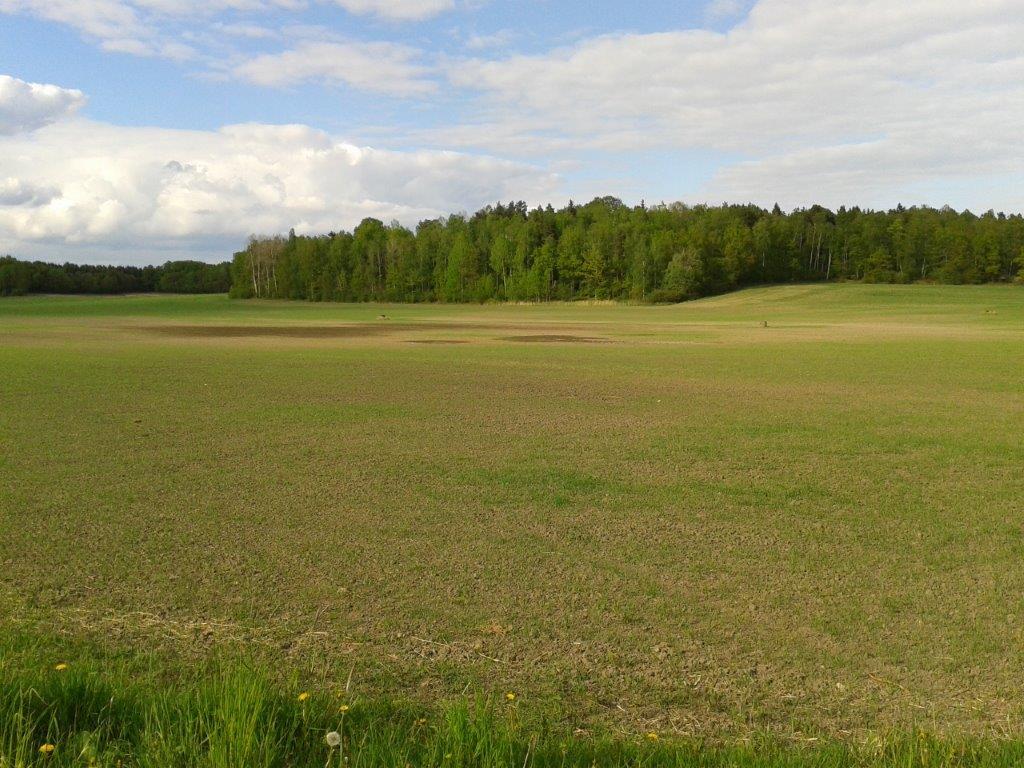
(556,338)
(354,330)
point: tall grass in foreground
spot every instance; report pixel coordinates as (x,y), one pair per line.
(237,717)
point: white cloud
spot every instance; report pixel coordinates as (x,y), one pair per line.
(880,173)
(386,68)
(119,26)
(868,93)
(100,19)
(500,39)
(724,9)
(14,192)
(401,10)
(214,33)
(150,27)
(28,106)
(248,31)
(86,184)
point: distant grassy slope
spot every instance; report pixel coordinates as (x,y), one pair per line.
(819,300)
(655,518)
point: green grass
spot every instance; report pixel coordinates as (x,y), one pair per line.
(700,526)
(92,713)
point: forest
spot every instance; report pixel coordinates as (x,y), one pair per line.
(608,250)
(24,277)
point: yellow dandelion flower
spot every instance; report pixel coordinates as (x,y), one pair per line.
(304,695)
(652,736)
(61,667)
(510,696)
(47,749)
(421,721)
(343,708)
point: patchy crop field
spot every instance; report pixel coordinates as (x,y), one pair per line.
(798,509)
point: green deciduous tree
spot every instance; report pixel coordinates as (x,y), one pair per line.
(606,249)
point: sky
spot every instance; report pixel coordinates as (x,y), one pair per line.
(138,131)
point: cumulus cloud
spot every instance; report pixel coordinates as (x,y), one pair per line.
(28,106)
(868,91)
(17,192)
(81,182)
(387,68)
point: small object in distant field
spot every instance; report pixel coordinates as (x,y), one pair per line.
(61,667)
(764,323)
(510,696)
(333,739)
(47,749)
(303,696)
(382,317)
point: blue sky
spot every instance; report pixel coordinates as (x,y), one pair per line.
(150,91)
(139,130)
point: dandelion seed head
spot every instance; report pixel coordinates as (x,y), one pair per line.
(333,739)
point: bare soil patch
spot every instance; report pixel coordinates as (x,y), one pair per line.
(349,331)
(556,338)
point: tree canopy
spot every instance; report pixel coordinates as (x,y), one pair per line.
(607,250)
(21,277)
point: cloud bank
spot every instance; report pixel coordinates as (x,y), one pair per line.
(81,182)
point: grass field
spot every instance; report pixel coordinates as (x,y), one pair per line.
(796,510)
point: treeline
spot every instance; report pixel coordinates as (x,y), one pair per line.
(607,250)
(23,277)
